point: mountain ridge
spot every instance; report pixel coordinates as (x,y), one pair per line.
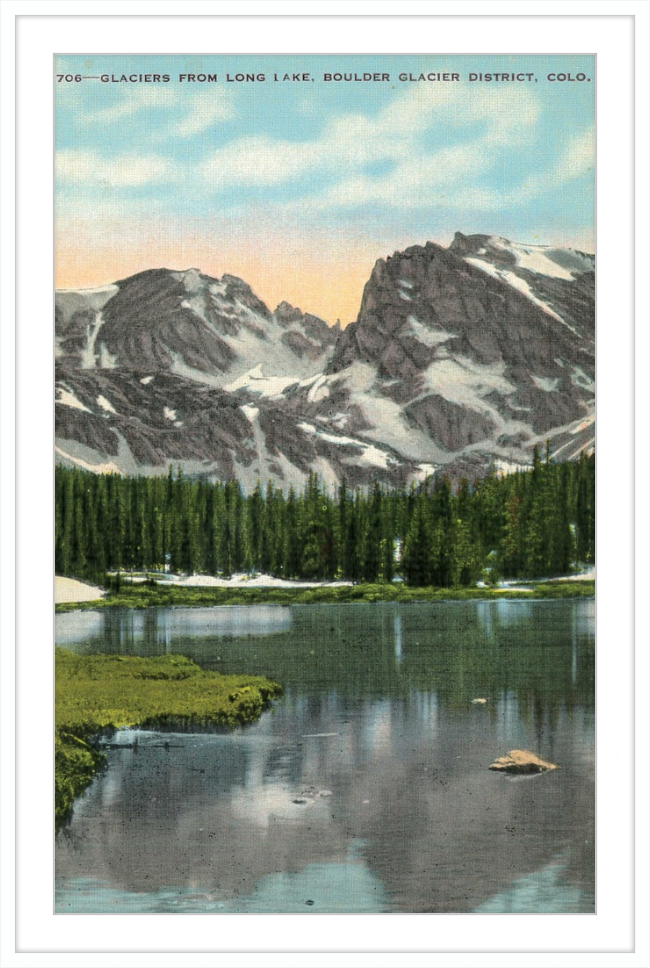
(460,358)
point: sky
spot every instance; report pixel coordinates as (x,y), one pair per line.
(298,186)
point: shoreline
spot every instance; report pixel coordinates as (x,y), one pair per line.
(99,694)
(170,595)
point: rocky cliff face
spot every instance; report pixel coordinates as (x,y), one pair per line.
(486,347)
(460,358)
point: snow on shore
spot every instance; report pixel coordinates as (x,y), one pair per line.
(585,576)
(251,581)
(235,581)
(70,590)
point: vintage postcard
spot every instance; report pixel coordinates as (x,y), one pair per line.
(325,483)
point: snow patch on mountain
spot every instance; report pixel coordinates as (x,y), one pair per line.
(88,356)
(106,404)
(545,383)
(259,469)
(368,453)
(376,457)
(358,377)
(384,419)
(466,383)
(517,283)
(319,389)
(337,420)
(255,381)
(425,334)
(197,305)
(424,471)
(543,259)
(582,379)
(68,399)
(257,339)
(109,468)
(584,424)
(251,413)
(192,279)
(72,299)
(572,449)
(105,359)
(503,467)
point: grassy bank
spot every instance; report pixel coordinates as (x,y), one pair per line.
(145,596)
(99,693)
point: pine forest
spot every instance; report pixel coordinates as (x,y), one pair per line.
(530,524)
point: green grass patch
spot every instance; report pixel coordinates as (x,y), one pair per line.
(564,589)
(100,693)
(164,595)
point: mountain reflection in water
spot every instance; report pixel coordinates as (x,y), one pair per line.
(372,767)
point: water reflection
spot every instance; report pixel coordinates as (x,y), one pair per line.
(545,891)
(336,888)
(79,627)
(154,629)
(370,775)
(398,637)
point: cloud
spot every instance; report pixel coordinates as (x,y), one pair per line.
(206,110)
(404,133)
(433,146)
(579,156)
(202,109)
(259,161)
(577,159)
(136,99)
(81,167)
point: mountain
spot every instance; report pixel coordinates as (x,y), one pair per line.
(461,358)
(482,349)
(209,330)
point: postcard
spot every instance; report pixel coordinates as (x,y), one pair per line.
(325,484)
(325,445)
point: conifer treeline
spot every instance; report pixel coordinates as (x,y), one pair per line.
(529,524)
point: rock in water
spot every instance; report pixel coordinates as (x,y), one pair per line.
(522,762)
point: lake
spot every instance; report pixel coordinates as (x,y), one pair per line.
(366,787)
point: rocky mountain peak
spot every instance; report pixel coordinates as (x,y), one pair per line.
(460,357)
(468,244)
(526,259)
(486,344)
(285,313)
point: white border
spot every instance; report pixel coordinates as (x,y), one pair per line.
(46,28)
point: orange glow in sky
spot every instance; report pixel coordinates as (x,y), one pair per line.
(325,280)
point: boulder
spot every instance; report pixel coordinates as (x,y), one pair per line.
(522,762)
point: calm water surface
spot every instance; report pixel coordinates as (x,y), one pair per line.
(366,788)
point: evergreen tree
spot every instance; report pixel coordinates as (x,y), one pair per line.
(373,537)
(529,524)
(291,545)
(416,560)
